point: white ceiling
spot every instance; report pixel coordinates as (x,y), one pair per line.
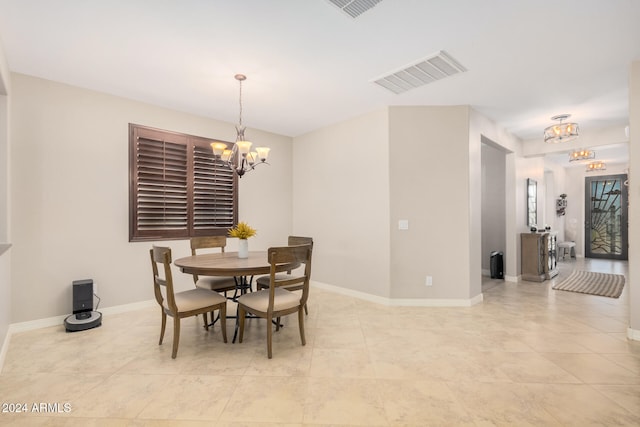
(310,65)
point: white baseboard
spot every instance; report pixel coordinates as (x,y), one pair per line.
(130,307)
(36,324)
(514,279)
(633,334)
(59,320)
(399,302)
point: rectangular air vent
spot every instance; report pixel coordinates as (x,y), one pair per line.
(426,71)
(355,8)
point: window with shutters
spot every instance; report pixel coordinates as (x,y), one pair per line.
(177,189)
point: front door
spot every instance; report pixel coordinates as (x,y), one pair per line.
(606,222)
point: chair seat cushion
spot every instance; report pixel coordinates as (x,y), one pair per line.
(218,284)
(194,299)
(259,300)
(566,244)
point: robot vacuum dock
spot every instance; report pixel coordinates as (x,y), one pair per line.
(83,317)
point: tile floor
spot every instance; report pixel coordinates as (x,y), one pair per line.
(526,356)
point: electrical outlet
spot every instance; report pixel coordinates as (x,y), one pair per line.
(428,281)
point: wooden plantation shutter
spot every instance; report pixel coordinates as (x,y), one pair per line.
(177,189)
(214,195)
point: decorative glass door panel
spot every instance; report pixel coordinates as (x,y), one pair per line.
(606,217)
(552,251)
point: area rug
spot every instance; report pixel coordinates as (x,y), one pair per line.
(589,282)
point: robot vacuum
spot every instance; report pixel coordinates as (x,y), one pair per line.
(83,321)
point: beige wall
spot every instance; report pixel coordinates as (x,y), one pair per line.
(5,236)
(634,196)
(70,195)
(341,198)
(429,187)
(353,209)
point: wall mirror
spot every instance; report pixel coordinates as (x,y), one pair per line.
(532,202)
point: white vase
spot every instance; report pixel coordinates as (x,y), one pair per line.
(243,248)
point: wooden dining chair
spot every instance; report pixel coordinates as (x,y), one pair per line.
(277,301)
(182,304)
(262,282)
(213,283)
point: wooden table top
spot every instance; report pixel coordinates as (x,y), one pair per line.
(227,264)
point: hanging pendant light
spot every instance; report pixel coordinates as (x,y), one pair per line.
(577,155)
(561,132)
(596,166)
(240,158)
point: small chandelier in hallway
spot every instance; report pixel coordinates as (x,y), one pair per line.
(561,132)
(240,158)
(596,166)
(581,155)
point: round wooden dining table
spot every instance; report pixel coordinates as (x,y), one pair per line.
(228,264)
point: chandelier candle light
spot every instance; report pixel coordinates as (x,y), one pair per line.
(561,132)
(240,158)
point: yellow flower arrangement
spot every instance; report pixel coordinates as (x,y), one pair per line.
(242,231)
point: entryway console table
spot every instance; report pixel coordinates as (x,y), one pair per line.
(538,256)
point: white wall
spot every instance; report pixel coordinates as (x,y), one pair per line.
(70,195)
(341,199)
(528,168)
(574,217)
(549,214)
(554,183)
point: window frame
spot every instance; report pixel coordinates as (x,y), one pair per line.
(194,178)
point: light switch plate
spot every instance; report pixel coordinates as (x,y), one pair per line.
(403,224)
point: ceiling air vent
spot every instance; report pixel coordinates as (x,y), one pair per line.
(355,8)
(426,71)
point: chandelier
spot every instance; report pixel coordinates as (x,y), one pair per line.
(561,132)
(581,155)
(596,166)
(240,158)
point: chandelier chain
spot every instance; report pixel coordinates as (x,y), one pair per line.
(240,102)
